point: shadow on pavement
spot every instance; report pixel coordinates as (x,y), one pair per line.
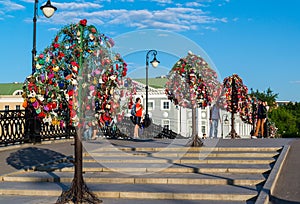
(32,156)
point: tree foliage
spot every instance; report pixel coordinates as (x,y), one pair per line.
(236,97)
(192,83)
(55,90)
(268,95)
(287,119)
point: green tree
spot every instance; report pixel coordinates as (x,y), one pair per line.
(268,95)
(286,117)
(285,121)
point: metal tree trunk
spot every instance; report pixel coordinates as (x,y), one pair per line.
(196,141)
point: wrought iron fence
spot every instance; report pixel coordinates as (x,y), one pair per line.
(18,126)
(124,129)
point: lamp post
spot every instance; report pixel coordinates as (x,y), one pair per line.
(32,125)
(224,121)
(154,62)
(48,11)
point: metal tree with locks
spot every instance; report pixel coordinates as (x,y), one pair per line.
(192,84)
(237,100)
(57,89)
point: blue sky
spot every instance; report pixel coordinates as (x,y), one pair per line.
(257,39)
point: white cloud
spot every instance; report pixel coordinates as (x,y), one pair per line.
(170,26)
(205,1)
(181,18)
(7,5)
(163,1)
(76,5)
(295,82)
(194,4)
(185,10)
(224,3)
(53,29)
(170,18)
(210,28)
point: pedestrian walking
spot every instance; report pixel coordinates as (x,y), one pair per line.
(137,117)
(214,118)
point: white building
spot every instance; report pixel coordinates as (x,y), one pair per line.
(10,96)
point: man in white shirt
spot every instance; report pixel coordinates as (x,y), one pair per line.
(214,118)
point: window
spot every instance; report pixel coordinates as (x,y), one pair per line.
(18,92)
(6,107)
(166,124)
(151,105)
(17,107)
(203,129)
(203,126)
(165,105)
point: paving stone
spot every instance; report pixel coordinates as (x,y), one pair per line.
(156,171)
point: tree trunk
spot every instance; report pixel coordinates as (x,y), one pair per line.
(78,192)
(196,141)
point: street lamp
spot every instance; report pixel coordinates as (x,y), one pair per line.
(224,121)
(154,62)
(48,11)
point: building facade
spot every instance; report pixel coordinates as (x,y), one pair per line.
(11,96)
(11,102)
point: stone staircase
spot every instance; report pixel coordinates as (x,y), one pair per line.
(153,173)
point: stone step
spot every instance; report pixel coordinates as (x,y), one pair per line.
(189,149)
(142,170)
(174,165)
(162,178)
(156,171)
(161,163)
(183,166)
(127,174)
(137,191)
(53,199)
(179,161)
(184,155)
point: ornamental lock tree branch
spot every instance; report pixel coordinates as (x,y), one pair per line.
(237,100)
(58,89)
(192,84)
